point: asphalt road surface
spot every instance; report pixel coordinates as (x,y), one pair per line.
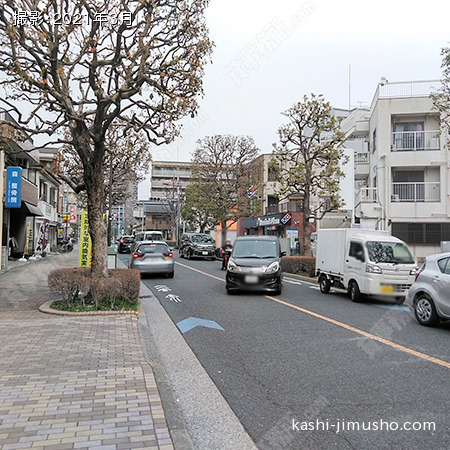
(309,370)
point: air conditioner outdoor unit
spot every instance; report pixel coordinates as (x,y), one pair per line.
(395,198)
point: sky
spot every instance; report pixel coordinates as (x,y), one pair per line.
(268,55)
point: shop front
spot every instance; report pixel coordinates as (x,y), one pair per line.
(284,225)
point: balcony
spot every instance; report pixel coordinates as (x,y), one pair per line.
(361,165)
(406,141)
(366,195)
(272,209)
(416,192)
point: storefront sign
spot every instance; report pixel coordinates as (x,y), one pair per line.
(73,214)
(292,234)
(266,221)
(13,187)
(42,240)
(285,219)
(85,242)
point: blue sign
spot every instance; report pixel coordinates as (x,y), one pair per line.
(13,187)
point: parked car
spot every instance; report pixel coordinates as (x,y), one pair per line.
(197,245)
(430,293)
(255,265)
(152,257)
(154,235)
(125,243)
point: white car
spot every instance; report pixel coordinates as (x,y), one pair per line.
(430,293)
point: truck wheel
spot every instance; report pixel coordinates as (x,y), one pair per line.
(324,284)
(355,293)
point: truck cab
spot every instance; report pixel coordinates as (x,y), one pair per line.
(364,263)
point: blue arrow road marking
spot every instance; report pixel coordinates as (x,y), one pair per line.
(192,322)
(396,307)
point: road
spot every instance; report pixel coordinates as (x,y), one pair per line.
(308,370)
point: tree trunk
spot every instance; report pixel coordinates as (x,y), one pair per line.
(306,227)
(223,232)
(96,209)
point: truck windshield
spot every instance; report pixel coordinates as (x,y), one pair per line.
(389,252)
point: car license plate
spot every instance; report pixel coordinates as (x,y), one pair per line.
(204,253)
(251,279)
(387,289)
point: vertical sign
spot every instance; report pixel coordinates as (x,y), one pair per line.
(73,214)
(85,242)
(42,239)
(13,187)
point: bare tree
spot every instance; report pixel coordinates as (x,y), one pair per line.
(81,67)
(223,172)
(441,98)
(307,157)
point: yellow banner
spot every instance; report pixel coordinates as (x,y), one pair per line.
(85,242)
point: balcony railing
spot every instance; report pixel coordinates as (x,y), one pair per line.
(361,158)
(416,192)
(409,89)
(366,195)
(415,141)
(272,209)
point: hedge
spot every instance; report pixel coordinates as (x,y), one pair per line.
(304,265)
(73,284)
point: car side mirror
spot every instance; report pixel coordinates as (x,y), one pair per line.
(283,254)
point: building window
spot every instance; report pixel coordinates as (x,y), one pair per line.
(43,191)
(408,136)
(422,233)
(272,174)
(374,140)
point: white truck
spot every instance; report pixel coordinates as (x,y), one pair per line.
(364,262)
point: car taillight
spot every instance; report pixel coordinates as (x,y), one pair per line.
(419,271)
(170,254)
(122,241)
(137,255)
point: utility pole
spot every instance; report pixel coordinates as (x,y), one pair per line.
(2,169)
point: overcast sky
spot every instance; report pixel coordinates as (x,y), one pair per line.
(269,54)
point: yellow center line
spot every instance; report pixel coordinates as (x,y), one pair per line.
(374,337)
(199,271)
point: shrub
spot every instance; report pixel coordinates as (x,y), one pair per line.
(78,283)
(130,280)
(299,264)
(69,283)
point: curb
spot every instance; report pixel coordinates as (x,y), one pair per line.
(45,308)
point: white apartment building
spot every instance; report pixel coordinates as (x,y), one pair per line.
(401,159)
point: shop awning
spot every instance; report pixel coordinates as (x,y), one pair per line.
(30,210)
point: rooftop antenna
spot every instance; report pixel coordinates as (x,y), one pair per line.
(349,86)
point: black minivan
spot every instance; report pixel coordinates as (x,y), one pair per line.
(255,265)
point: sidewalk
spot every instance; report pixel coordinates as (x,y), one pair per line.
(72,382)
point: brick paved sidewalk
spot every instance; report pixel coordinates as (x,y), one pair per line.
(72,382)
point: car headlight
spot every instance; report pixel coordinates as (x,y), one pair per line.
(272,268)
(232,267)
(372,268)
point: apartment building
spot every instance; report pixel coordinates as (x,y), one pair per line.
(169,179)
(402,176)
(18,221)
